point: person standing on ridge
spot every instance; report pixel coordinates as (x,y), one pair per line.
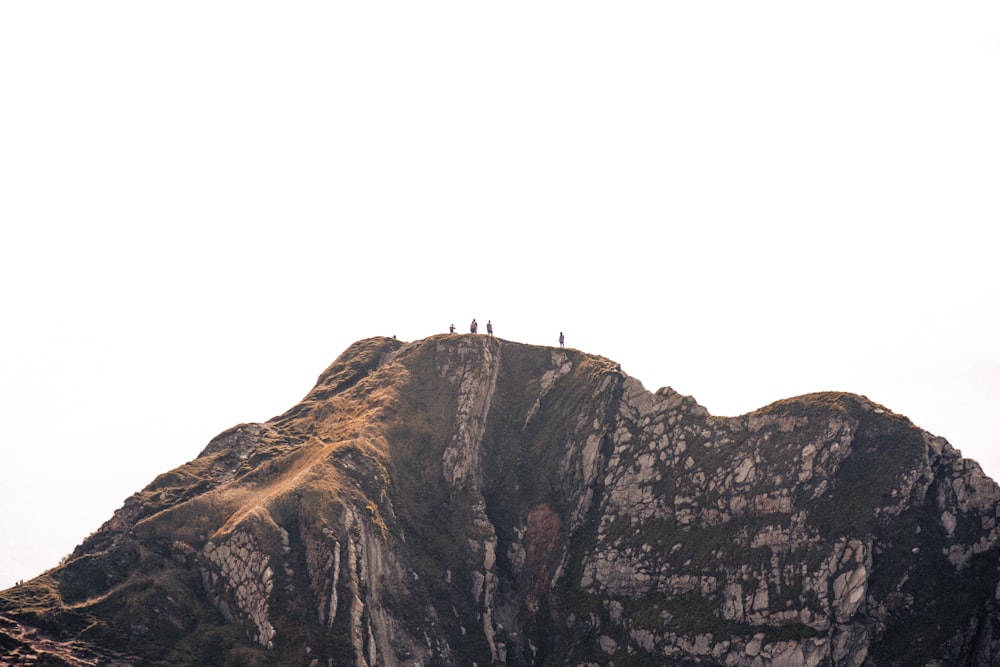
(562,340)
(451,329)
(474,327)
(489,327)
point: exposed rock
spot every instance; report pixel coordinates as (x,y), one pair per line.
(464,500)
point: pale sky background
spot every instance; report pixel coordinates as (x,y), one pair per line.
(203,204)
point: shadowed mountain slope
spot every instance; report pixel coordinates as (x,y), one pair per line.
(465,500)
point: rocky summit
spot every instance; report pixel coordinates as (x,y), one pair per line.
(465,500)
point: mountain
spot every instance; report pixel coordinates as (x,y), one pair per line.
(465,500)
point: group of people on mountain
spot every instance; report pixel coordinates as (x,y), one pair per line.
(474,328)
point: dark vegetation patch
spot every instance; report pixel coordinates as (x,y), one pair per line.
(885,449)
(526,477)
(434,522)
(928,599)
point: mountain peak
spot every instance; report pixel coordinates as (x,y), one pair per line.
(463,499)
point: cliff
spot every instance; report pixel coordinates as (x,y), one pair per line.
(464,500)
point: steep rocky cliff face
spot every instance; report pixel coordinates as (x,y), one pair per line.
(463,500)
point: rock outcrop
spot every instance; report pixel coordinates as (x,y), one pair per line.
(464,500)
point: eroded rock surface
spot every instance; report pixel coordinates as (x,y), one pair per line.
(464,500)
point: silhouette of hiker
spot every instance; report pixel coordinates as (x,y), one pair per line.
(451,329)
(562,340)
(489,327)
(474,327)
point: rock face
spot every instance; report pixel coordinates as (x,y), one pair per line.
(464,500)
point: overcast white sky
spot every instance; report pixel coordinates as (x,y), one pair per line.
(203,204)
